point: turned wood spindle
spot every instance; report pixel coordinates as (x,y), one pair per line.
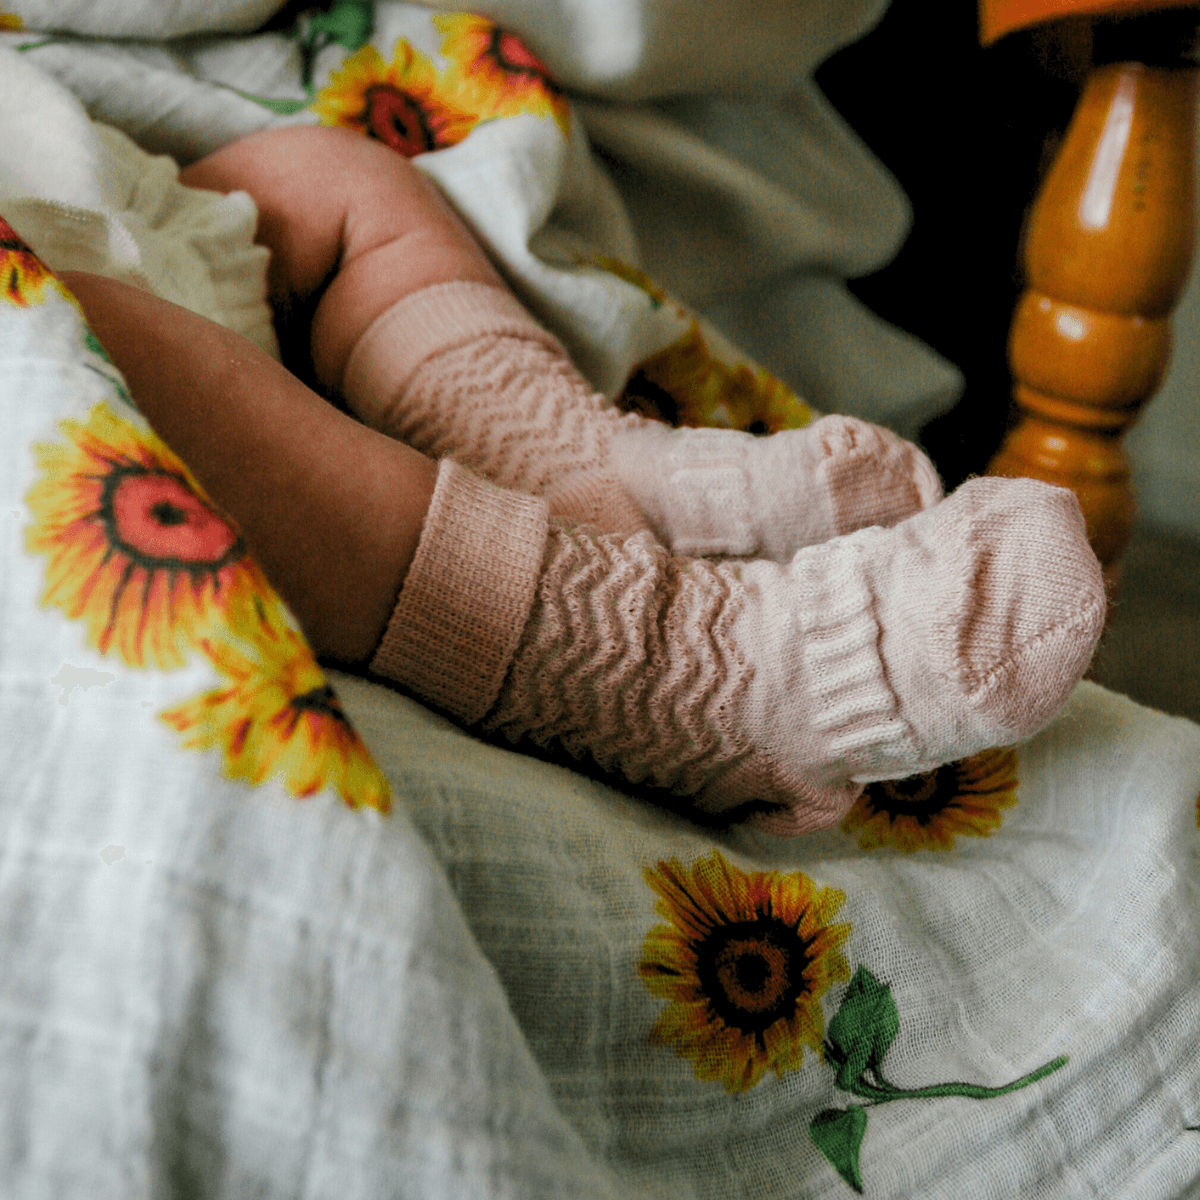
(1107,253)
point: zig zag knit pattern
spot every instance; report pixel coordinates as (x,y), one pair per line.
(868,657)
(517,414)
(460,370)
(628,659)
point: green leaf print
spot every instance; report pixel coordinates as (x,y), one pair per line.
(838,1134)
(863,1029)
(860,1034)
(348,23)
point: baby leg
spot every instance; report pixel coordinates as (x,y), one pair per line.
(273,455)
(785,687)
(415,330)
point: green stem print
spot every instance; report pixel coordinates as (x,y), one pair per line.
(860,1035)
(348,23)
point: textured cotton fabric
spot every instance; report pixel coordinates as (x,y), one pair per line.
(219,986)
(457,370)
(87,198)
(767,688)
(753,136)
(467,595)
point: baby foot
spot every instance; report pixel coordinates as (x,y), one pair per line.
(886,653)
(720,492)
(460,370)
(783,686)
(872,656)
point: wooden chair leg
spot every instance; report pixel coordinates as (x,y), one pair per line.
(1107,253)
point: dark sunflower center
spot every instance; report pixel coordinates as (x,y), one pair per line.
(399,121)
(166,513)
(508,53)
(921,797)
(752,972)
(154,518)
(322,701)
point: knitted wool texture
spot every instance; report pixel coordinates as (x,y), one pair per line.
(783,687)
(460,370)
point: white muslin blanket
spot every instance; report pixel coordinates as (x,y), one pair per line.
(272,931)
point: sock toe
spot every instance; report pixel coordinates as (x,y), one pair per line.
(1021,608)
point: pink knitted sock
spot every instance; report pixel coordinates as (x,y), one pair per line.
(461,370)
(872,656)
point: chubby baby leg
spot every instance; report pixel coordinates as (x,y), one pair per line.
(413,327)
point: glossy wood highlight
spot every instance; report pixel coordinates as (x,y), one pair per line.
(1108,249)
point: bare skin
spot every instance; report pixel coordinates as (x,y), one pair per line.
(347,221)
(331,509)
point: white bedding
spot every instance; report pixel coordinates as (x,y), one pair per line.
(217,978)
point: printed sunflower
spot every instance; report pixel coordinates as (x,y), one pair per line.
(277,716)
(927,812)
(23,276)
(630,274)
(509,80)
(688,386)
(744,962)
(405,104)
(135,548)
(10,23)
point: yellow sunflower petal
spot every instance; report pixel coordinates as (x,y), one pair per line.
(743,963)
(276,716)
(504,77)
(134,548)
(405,104)
(931,811)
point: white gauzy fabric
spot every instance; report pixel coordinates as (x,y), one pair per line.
(87,198)
(208,988)
(1073,930)
(752,211)
(212,987)
(143,18)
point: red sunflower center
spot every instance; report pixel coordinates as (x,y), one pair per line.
(752,972)
(156,519)
(511,56)
(399,121)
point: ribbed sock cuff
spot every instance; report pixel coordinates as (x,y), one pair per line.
(467,595)
(430,322)
(854,710)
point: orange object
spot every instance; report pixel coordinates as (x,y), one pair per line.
(998,17)
(1107,254)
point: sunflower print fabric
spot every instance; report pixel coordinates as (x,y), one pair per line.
(136,550)
(156,575)
(24,278)
(406,104)
(930,811)
(415,108)
(685,383)
(744,960)
(507,79)
(276,715)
